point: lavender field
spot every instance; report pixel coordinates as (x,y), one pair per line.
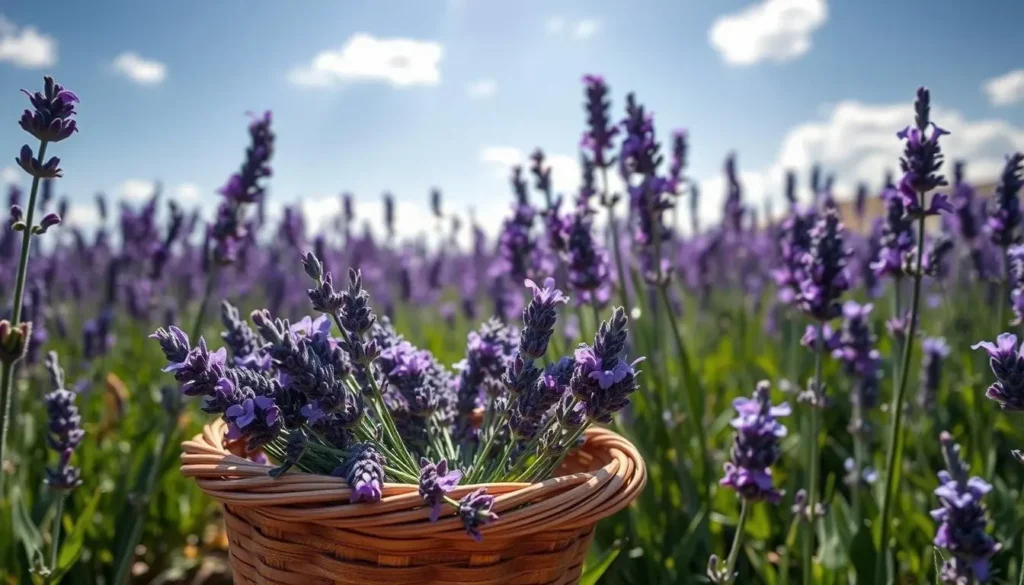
(829,392)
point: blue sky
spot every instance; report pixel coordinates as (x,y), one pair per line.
(783,82)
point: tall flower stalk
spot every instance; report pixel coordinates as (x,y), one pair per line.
(597,141)
(50,120)
(227,234)
(921,162)
(823,284)
(748,472)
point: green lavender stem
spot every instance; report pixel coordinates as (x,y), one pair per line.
(737,544)
(894,451)
(815,463)
(615,239)
(7,387)
(690,390)
(55,537)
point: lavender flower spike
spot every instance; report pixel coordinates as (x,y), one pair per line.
(476,510)
(435,482)
(756,447)
(962,520)
(825,277)
(1007,364)
(364,472)
(64,432)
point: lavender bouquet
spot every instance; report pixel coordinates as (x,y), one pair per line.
(345,394)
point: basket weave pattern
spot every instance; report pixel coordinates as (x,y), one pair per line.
(299,529)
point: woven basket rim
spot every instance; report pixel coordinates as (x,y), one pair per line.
(602,477)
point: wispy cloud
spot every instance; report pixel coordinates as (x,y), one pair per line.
(140,70)
(482,89)
(581,29)
(1007,89)
(400,62)
(25,46)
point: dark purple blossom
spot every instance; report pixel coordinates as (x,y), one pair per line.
(824,280)
(64,428)
(1007,364)
(597,140)
(363,469)
(435,483)
(476,510)
(1005,216)
(962,520)
(756,447)
(897,238)
(52,119)
(922,159)
(602,378)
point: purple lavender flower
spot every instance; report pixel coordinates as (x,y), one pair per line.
(435,482)
(921,160)
(897,239)
(257,419)
(602,379)
(64,429)
(962,520)
(539,319)
(54,107)
(363,469)
(488,353)
(794,243)
(1008,366)
(356,315)
(679,150)
(935,351)
(756,447)
(588,264)
(228,232)
(476,510)
(825,277)
(1015,256)
(600,131)
(734,211)
(1005,218)
(238,336)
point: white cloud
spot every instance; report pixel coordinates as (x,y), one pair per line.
(581,29)
(140,70)
(83,216)
(857,142)
(482,88)
(26,47)
(9,175)
(586,28)
(1006,90)
(398,61)
(137,189)
(772,30)
(554,25)
(187,192)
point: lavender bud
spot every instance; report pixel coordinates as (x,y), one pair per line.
(14,341)
(49,221)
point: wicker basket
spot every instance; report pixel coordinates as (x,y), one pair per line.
(300,529)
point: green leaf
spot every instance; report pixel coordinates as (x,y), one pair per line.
(591,575)
(25,529)
(71,548)
(862,553)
